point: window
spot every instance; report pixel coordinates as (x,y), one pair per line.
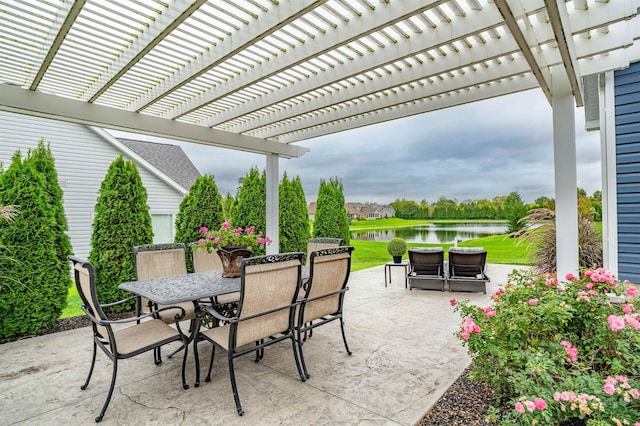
(162,228)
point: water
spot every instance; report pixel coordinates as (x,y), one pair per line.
(435,233)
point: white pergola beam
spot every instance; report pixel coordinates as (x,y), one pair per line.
(516,84)
(279,16)
(15,99)
(369,22)
(179,11)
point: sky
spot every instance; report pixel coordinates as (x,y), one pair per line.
(479,150)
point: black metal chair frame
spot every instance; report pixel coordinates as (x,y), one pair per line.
(302,327)
(235,321)
(426,275)
(468,276)
(109,344)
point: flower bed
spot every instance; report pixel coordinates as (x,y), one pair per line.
(558,350)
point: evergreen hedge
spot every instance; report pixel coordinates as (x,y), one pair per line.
(35,294)
(202,206)
(331,220)
(121,221)
(294,217)
(250,208)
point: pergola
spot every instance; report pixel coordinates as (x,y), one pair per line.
(263,75)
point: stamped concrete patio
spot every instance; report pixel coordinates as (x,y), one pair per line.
(404,358)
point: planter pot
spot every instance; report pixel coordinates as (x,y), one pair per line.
(231,258)
(397,259)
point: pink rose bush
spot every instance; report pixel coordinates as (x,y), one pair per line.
(558,350)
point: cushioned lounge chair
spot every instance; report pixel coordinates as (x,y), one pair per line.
(126,342)
(426,268)
(467,269)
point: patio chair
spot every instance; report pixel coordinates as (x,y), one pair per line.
(159,261)
(126,342)
(467,269)
(426,268)
(203,261)
(324,293)
(266,310)
(314,244)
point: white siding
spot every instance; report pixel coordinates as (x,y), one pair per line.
(82,159)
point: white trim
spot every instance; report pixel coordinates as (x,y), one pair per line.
(273,210)
(138,159)
(609,178)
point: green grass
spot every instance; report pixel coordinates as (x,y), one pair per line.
(368,254)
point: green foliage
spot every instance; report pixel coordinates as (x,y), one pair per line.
(397,247)
(556,346)
(201,207)
(294,218)
(121,221)
(250,208)
(227,205)
(514,211)
(331,220)
(36,292)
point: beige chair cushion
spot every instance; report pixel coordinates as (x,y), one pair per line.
(131,339)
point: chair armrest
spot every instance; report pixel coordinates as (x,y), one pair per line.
(214,313)
(108,305)
(132,319)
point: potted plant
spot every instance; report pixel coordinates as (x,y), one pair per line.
(397,247)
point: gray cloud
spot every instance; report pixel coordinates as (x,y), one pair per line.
(473,151)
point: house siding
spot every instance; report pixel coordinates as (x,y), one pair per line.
(82,159)
(627,112)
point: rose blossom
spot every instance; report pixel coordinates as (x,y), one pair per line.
(540,403)
(569,276)
(452,301)
(609,389)
(519,407)
(627,309)
(631,291)
(632,321)
(204,229)
(615,322)
(530,405)
(533,302)
(465,335)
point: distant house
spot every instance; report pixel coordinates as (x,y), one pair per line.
(83,155)
(360,211)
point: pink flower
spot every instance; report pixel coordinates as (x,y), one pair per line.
(489,311)
(209,237)
(262,241)
(609,389)
(465,335)
(615,322)
(519,407)
(226,225)
(530,405)
(569,276)
(201,240)
(204,229)
(631,291)
(452,301)
(216,240)
(533,302)
(632,321)
(627,309)
(572,352)
(540,403)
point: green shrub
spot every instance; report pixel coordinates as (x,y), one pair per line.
(201,207)
(397,247)
(36,292)
(294,217)
(559,350)
(330,220)
(121,221)
(250,207)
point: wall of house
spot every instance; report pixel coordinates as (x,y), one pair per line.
(82,159)
(627,111)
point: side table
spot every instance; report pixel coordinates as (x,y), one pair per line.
(387,267)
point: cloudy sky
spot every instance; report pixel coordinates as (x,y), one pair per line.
(480,150)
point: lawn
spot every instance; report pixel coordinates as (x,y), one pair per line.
(368,254)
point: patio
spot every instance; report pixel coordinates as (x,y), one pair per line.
(404,358)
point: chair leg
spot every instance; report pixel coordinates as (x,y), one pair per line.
(259,352)
(213,354)
(191,325)
(344,338)
(232,376)
(93,363)
(303,375)
(157,356)
(113,384)
(197,361)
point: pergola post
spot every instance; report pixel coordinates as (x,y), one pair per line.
(566,181)
(273,189)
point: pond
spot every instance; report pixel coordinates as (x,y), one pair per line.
(435,233)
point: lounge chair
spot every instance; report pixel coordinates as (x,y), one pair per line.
(467,269)
(426,268)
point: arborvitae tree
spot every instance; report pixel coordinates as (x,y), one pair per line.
(36,294)
(227,205)
(294,218)
(514,210)
(331,220)
(201,207)
(250,208)
(121,221)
